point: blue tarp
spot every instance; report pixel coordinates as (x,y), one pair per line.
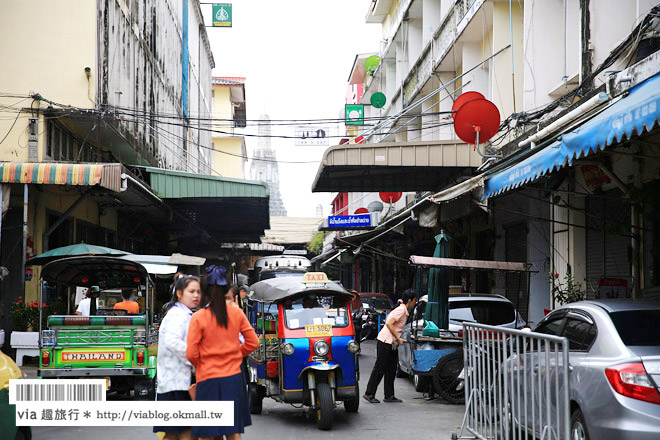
(634,114)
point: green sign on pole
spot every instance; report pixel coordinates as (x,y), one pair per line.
(354,114)
(221,14)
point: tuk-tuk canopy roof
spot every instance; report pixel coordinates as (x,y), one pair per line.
(105,272)
(279,289)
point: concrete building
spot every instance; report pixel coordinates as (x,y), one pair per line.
(105,135)
(533,197)
(229,113)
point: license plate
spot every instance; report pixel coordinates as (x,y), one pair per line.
(81,356)
(316,331)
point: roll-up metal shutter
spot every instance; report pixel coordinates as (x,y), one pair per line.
(516,251)
(607,239)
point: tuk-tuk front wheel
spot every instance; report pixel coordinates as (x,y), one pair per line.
(324,406)
(256,399)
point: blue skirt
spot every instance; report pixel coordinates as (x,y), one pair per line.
(172,395)
(232,388)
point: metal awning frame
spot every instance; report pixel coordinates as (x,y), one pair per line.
(457,263)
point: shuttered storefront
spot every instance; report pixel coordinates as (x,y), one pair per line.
(607,239)
(516,251)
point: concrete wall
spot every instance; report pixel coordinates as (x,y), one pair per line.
(231,164)
(502,83)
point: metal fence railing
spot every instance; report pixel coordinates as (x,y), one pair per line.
(515,385)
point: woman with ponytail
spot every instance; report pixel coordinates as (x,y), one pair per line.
(216,352)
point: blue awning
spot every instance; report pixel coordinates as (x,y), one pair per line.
(634,114)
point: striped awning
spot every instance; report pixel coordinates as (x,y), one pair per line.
(107,175)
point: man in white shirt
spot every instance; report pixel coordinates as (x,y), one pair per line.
(85,305)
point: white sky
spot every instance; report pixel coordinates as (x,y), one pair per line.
(296,56)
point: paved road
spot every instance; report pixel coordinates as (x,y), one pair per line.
(414,417)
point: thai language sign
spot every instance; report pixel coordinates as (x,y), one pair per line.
(349,221)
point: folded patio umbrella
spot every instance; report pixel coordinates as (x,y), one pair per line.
(73,250)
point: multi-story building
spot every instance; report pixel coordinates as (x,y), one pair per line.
(229,113)
(544,64)
(105,134)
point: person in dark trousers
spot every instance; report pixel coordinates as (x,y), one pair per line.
(387,342)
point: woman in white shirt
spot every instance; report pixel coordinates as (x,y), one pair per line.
(173,369)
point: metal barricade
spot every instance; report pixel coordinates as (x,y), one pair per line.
(515,385)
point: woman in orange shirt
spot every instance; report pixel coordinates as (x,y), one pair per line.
(216,352)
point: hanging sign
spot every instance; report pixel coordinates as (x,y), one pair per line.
(347,221)
(354,114)
(312,136)
(221,14)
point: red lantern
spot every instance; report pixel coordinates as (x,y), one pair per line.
(362,211)
(390,197)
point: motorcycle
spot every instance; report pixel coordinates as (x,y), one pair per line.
(369,327)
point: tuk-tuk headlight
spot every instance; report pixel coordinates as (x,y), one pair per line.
(288,348)
(321,348)
(353,347)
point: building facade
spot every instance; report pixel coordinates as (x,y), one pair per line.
(229,112)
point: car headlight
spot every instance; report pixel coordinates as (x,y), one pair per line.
(288,348)
(353,347)
(321,348)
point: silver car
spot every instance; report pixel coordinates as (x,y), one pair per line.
(614,371)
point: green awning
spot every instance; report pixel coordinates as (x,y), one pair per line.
(243,205)
(170,184)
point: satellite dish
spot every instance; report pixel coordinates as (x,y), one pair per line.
(390,197)
(362,211)
(375,206)
(477,121)
(372,63)
(378,100)
(465,97)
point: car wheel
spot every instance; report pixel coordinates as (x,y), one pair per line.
(578,426)
(352,405)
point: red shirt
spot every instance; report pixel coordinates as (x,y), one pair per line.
(216,351)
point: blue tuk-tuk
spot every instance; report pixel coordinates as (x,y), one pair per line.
(307,352)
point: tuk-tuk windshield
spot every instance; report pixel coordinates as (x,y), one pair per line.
(316,310)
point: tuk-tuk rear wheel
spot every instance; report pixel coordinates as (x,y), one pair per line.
(353,404)
(256,400)
(324,406)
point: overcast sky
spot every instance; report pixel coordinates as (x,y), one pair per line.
(296,56)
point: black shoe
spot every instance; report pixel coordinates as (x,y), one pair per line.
(392,400)
(370,399)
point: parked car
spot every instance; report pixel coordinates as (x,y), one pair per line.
(9,370)
(375,307)
(481,308)
(614,371)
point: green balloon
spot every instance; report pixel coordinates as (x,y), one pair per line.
(378,100)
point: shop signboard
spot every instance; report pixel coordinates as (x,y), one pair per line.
(222,15)
(354,114)
(349,221)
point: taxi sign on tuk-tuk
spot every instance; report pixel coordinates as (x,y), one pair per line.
(315,278)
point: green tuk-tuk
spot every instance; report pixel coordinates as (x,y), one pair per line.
(109,343)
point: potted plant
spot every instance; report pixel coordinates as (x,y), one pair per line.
(25,316)
(567,292)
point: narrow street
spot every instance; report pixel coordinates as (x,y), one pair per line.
(427,419)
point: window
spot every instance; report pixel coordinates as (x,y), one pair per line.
(316,310)
(638,327)
(483,312)
(551,326)
(580,333)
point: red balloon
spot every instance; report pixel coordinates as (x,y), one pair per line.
(362,211)
(390,197)
(465,97)
(478,115)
